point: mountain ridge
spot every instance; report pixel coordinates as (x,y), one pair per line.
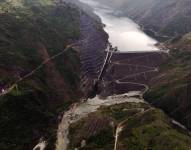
(165,17)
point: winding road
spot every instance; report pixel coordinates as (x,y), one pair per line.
(8,90)
(81,110)
(150,69)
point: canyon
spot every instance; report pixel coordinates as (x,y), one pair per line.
(86,76)
(127,71)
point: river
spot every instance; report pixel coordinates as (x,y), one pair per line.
(81,110)
(123,32)
(127,36)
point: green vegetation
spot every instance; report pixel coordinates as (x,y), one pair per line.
(95,130)
(30,110)
(171,91)
(184,42)
(151,129)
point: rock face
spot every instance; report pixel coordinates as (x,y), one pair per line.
(167,17)
(92,46)
(91,50)
(132,71)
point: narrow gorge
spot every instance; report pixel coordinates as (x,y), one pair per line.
(95,75)
(92,124)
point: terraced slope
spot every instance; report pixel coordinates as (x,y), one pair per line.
(92,46)
(133,71)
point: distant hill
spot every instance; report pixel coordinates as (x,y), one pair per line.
(167,17)
(170,90)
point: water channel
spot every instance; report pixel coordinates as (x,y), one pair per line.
(123,32)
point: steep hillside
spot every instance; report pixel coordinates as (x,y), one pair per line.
(182,42)
(39,77)
(132,126)
(166,17)
(170,90)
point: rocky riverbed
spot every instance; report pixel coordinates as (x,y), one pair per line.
(81,110)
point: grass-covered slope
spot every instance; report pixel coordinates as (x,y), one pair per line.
(170,90)
(32,32)
(144,128)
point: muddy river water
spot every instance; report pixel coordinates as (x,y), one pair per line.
(123,32)
(127,36)
(81,110)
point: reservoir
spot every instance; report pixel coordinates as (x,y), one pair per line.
(123,32)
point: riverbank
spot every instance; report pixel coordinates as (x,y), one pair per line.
(123,32)
(82,110)
(129,123)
